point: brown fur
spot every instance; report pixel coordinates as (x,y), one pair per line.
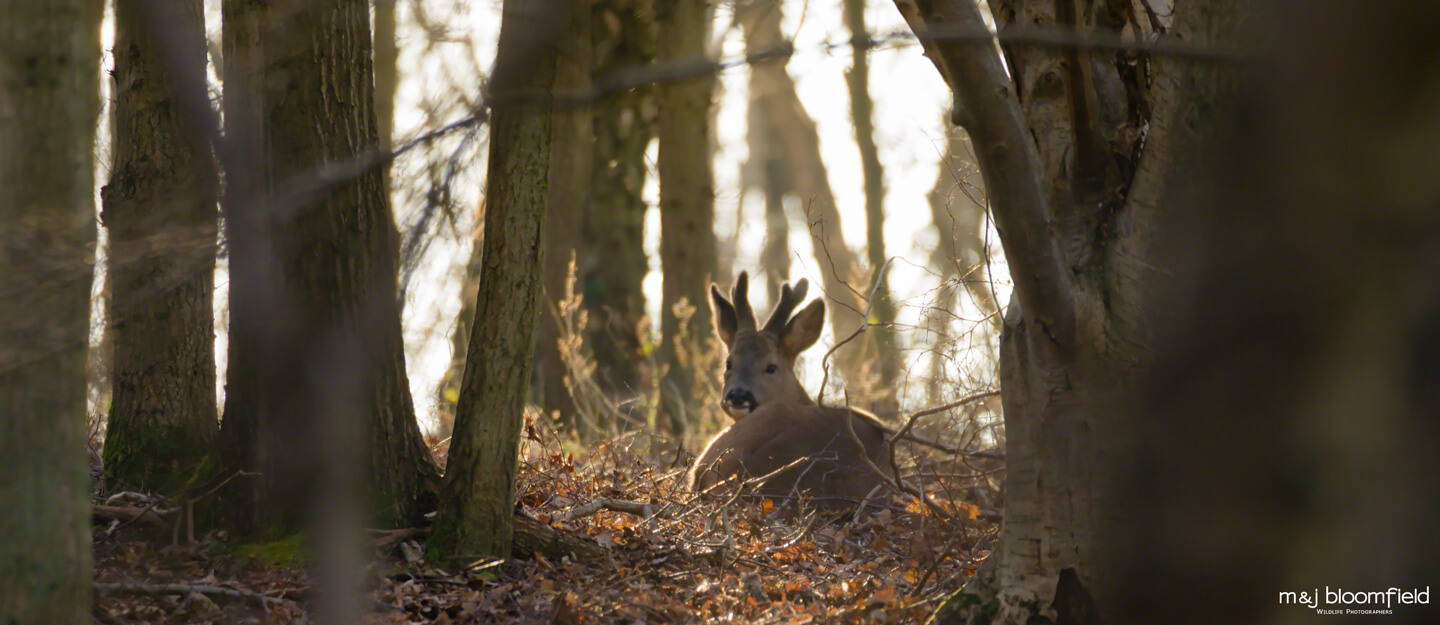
(808,447)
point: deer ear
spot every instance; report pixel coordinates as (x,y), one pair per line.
(724,314)
(803,329)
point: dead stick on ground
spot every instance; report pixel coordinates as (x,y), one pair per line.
(185,589)
(605,503)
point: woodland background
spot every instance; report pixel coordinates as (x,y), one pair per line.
(1157,277)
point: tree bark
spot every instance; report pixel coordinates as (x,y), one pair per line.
(160,209)
(387,78)
(765,167)
(882,312)
(571,157)
(798,142)
(687,205)
(613,264)
(50,96)
(476,516)
(1055,147)
(449,390)
(1293,403)
(315,350)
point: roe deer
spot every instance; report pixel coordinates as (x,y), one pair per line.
(779,431)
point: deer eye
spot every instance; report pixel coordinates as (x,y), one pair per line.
(727,365)
(771,369)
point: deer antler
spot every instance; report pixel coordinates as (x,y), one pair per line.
(740,297)
(789,299)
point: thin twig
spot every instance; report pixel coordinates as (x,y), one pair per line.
(892,479)
(869,304)
(904,432)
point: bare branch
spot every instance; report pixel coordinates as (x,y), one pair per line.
(986,106)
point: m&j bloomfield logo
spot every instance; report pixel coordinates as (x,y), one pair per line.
(1341,601)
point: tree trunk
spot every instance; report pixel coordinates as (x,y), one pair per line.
(50,96)
(765,167)
(797,141)
(1056,148)
(387,79)
(571,157)
(1293,404)
(315,354)
(960,257)
(882,334)
(613,264)
(477,500)
(449,391)
(160,212)
(687,206)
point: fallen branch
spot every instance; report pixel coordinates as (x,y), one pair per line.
(532,537)
(636,508)
(131,514)
(131,588)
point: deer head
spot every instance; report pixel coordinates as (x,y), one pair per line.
(760,365)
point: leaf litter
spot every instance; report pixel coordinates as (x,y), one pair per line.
(668,556)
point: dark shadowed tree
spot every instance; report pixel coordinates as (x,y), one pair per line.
(612,263)
(572,144)
(315,353)
(687,202)
(477,501)
(49,96)
(1075,193)
(1285,438)
(160,211)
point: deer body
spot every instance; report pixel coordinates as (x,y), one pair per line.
(780,434)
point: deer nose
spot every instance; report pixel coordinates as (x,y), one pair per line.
(741,400)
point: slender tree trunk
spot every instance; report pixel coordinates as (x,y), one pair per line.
(960,256)
(765,169)
(571,157)
(861,111)
(477,501)
(449,390)
(797,141)
(613,263)
(160,212)
(50,94)
(687,205)
(316,354)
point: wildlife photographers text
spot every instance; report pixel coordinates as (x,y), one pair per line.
(1341,601)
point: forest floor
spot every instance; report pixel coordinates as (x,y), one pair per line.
(675,558)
